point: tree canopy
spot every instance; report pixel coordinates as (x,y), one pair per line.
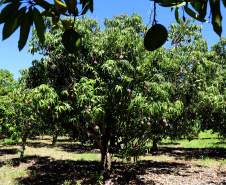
(7,82)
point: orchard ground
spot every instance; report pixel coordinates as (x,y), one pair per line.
(200,161)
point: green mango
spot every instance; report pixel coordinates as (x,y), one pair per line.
(155,37)
(72,41)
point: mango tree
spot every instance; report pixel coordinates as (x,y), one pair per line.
(7,85)
(121,96)
(197,76)
(214,115)
(26,105)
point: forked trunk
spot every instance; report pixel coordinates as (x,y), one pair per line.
(106,160)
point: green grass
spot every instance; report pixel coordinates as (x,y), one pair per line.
(207,162)
(208,134)
(9,142)
(204,140)
(196,143)
(9,174)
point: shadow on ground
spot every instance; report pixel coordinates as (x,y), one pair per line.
(191,153)
(8,151)
(169,144)
(44,171)
(70,147)
(79,148)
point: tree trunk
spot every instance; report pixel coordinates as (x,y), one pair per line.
(55,135)
(106,159)
(154,146)
(102,143)
(24,139)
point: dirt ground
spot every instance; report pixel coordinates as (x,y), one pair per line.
(181,170)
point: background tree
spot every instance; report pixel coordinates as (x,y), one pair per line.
(21,110)
(220,47)
(216,99)
(198,80)
(7,85)
(7,82)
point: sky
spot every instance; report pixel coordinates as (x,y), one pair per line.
(13,60)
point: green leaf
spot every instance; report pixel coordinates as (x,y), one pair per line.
(60,6)
(224,2)
(84,10)
(39,25)
(25,29)
(194,15)
(200,7)
(177,15)
(6,12)
(75,12)
(7,1)
(73,3)
(13,22)
(83,3)
(171,3)
(86,5)
(216,16)
(91,5)
(54,27)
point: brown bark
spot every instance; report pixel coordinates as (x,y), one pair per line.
(154,146)
(55,135)
(103,146)
(106,160)
(23,144)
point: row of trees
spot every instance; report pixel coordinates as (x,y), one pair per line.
(113,92)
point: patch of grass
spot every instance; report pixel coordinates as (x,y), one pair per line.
(1,141)
(9,163)
(8,175)
(207,162)
(88,157)
(196,143)
(206,143)
(205,140)
(208,134)
(66,143)
(9,142)
(63,137)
